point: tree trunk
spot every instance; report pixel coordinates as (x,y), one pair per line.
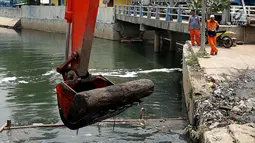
(95,105)
(113,96)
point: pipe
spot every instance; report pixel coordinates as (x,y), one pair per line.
(203,25)
(244,7)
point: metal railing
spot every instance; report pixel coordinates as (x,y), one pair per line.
(240,17)
(179,13)
(164,1)
(250,10)
(154,12)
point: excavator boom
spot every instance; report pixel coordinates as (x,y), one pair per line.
(81,18)
(84,99)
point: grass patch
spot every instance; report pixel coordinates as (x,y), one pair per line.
(196,134)
(192,59)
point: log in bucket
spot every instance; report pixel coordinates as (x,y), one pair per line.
(83,108)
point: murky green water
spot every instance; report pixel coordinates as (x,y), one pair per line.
(28,78)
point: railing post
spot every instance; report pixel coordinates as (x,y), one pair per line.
(135,11)
(179,16)
(167,14)
(129,10)
(119,9)
(170,15)
(115,7)
(157,12)
(141,11)
(124,10)
(157,41)
(149,12)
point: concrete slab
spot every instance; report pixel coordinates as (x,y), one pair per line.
(243,133)
(232,133)
(218,135)
(228,61)
(9,22)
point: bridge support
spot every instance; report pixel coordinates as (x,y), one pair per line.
(157,41)
(143,27)
(173,41)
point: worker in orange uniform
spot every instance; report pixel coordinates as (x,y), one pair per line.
(194,28)
(212,26)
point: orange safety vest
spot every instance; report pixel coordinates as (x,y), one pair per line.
(212,25)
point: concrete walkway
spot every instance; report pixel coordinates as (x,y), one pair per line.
(228,61)
(9,22)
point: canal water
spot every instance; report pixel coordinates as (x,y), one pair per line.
(27,88)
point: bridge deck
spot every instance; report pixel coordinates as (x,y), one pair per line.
(168,18)
(161,23)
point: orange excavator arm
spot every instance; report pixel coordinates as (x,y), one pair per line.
(84,99)
(81,18)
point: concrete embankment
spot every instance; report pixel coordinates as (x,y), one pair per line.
(10,22)
(219,93)
(51,19)
(242,33)
(10,17)
(11,12)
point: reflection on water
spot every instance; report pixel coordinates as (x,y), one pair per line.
(28,79)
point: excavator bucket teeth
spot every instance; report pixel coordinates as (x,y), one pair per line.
(83,108)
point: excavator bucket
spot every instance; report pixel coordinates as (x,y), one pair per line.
(86,103)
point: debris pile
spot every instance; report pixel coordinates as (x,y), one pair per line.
(231,101)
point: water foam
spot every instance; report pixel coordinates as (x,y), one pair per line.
(121,72)
(23,81)
(117,74)
(54,72)
(13,80)
(160,70)
(49,73)
(8,79)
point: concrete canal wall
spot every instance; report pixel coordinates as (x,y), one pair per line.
(193,81)
(51,19)
(187,87)
(10,12)
(10,17)
(44,18)
(243,33)
(106,26)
